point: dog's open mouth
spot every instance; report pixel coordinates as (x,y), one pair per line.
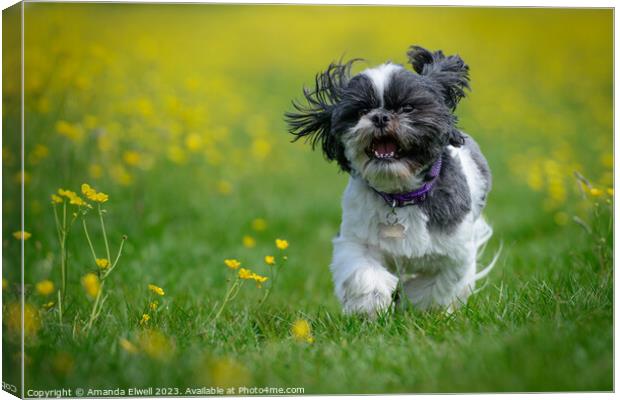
(384,149)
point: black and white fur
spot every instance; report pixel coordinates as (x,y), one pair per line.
(386,126)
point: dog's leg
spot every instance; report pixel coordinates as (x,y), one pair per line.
(362,284)
(447,288)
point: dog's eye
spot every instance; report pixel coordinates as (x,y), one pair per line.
(362,112)
(406,108)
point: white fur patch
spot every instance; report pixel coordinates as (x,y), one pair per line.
(380,77)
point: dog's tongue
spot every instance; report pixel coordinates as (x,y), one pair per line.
(384,147)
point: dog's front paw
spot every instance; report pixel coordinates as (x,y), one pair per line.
(368,291)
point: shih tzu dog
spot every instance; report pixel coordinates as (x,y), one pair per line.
(412,223)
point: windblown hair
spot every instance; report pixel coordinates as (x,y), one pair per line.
(450,72)
(313,120)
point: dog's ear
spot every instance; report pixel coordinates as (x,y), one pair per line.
(450,72)
(312,119)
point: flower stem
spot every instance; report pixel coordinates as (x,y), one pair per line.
(59,308)
(94,312)
(105,236)
(226,299)
(118,256)
(63,254)
(90,243)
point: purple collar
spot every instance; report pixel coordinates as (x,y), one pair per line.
(414,197)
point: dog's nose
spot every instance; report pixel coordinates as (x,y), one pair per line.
(380,119)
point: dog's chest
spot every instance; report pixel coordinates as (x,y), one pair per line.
(401,232)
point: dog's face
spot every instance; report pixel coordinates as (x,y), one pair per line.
(386,124)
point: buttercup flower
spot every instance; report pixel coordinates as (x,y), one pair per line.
(301,331)
(155,344)
(127,346)
(249,241)
(259,278)
(12,317)
(596,192)
(156,289)
(102,263)
(48,305)
(153,305)
(22,235)
(91,284)
(270,260)
(45,287)
(72,196)
(145,319)
(281,244)
(259,224)
(226,372)
(245,273)
(93,195)
(249,275)
(232,263)
(56,199)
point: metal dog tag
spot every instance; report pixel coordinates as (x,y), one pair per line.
(392,231)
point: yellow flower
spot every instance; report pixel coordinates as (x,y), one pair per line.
(249,275)
(48,305)
(259,279)
(301,331)
(249,241)
(245,273)
(12,317)
(127,346)
(77,200)
(610,191)
(91,284)
(72,196)
(145,319)
(93,195)
(45,287)
(281,244)
(102,263)
(270,260)
(193,142)
(226,372)
(232,263)
(259,224)
(131,158)
(38,153)
(56,199)
(156,289)
(596,192)
(73,132)
(155,345)
(22,178)
(153,306)
(22,235)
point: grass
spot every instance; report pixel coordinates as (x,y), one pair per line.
(543,322)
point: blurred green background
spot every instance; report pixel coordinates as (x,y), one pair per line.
(176,112)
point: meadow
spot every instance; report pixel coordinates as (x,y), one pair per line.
(173,117)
